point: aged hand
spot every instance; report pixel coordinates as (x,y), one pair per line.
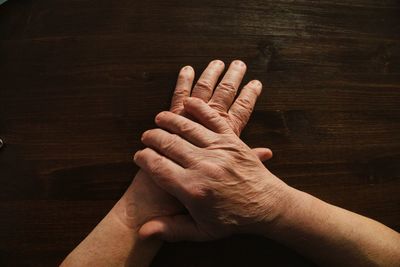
(236,113)
(154,201)
(216,176)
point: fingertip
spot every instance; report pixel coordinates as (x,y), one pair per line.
(256,85)
(187,69)
(263,153)
(187,73)
(161,116)
(135,156)
(268,154)
(239,63)
(143,136)
(218,62)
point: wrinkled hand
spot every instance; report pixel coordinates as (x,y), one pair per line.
(144,199)
(216,176)
(237,112)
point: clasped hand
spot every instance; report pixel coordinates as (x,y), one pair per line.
(216,176)
(219,180)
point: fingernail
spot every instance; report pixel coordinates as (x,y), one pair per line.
(144,135)
(187,68)
(239,63)
(218,62)
(256,82)
(159,116)
(136,155)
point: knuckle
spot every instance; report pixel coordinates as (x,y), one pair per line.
(213,116)
(176,109)
(227,87)
(185,127)
(180,92)
(156,165)
(245,103)
(169,142)
(237,124)
(220,171)
(204,85)
(217,106)
(198,191)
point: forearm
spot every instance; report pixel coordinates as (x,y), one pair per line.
(114,241)
(332,236)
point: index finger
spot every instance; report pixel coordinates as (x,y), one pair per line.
(182,89)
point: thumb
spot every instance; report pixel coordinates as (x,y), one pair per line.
(263,153)
(172,229)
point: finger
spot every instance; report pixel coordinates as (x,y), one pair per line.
(263,153)
(182,89)
(242,108)
(191,131)
(226,90)
(205,85)
(207,116)
(170,145)
(173,229)
(165,173)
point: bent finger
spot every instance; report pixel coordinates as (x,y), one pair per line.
(165,173)
(263,153)
(170,145)
(206,115)
(191,131)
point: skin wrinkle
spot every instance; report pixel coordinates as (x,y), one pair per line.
(218,177)
(217,106)
(214,156)
(236,127)
(245,112)
(228,89)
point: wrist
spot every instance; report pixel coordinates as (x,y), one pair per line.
(143,201)
(299,218)
(130,209)
(126,212)
(291,207)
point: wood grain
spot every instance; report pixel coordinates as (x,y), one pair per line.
(80,80)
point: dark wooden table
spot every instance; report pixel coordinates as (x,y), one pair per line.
(81,80)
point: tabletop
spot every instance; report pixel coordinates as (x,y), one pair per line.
(81,80)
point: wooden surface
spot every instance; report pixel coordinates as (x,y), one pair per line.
(80,81)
